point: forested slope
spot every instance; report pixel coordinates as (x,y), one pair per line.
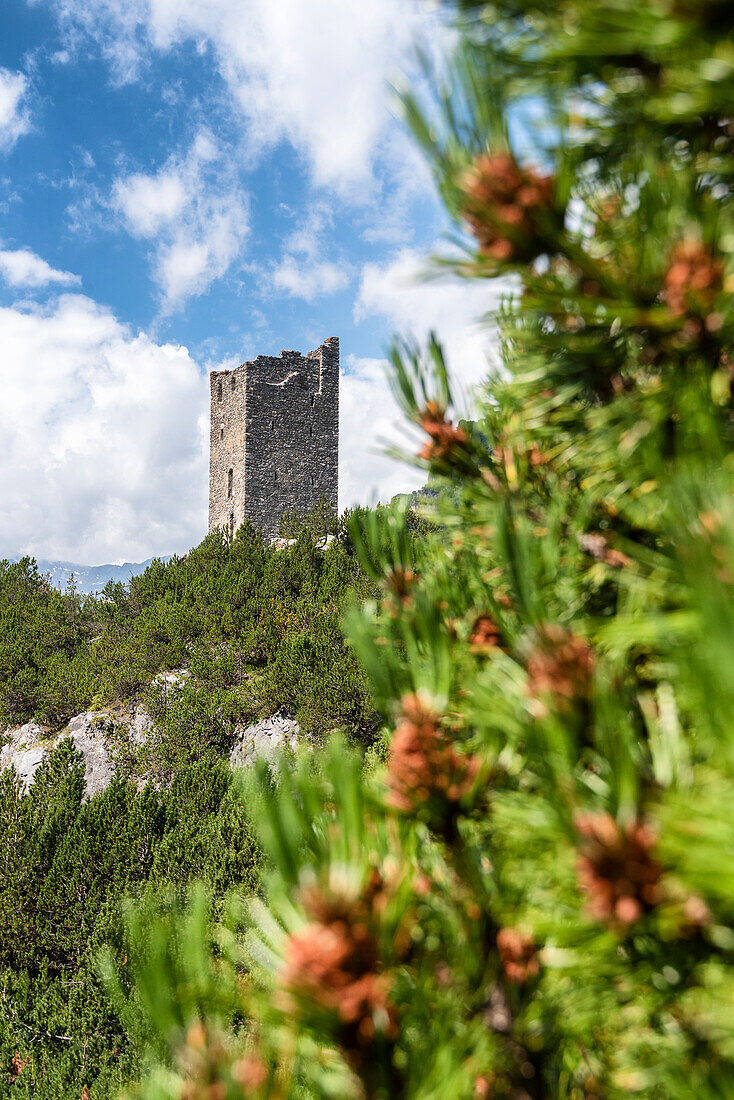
(258,623)
(258,629)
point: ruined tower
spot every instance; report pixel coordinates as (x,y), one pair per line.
(274,437)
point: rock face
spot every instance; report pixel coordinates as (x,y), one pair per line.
(140,726)
(265,740)
(25,750)
(89,733)
(94,734)
(30,744)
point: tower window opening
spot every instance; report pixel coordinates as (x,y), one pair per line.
(310,429)
(272,425)
(230,476)
(275,475)
(221,433)
(312,481)
(219,391)
(233,383)
(312,400)
(231,524)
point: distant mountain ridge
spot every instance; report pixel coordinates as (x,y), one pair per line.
(91,578)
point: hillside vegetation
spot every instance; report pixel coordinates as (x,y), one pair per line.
(257,627)
(259,630)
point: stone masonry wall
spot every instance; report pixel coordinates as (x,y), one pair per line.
(227,433)
(277,430)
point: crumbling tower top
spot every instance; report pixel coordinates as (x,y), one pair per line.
(274,437)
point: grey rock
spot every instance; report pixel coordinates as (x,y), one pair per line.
(25,751)
(140,726)
(29,745)
(173,678)
(266,740)
(168,683)
(90,733)
(97,736)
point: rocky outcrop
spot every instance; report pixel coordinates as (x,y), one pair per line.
(28,746)
(170,681)
(25,750)
(266,740)
(140,726)
(99,736)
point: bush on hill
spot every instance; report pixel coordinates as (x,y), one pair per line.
(258,630)
(65,867)
(251,621)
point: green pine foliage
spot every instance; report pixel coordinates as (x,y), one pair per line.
(257,627)
(258,631)
(320,522)
(532,896)
(66,865)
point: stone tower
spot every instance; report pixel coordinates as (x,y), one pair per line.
(274,437)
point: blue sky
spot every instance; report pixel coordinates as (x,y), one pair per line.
(185,184)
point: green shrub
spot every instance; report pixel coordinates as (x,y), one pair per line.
(231,611)
(65,867)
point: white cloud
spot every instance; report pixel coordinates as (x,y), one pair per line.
(15,119)
(370,421)
(370,418)
(451,307)
(314,74)
(308,279)
(23,268)
(303,271)
(193,211)
(150,202)
(103,437)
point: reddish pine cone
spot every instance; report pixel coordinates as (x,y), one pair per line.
(485,634)
(444,437)
(335,966)
(18,1064)
(518,955)
(502,204)
(423,763)
(333,963)
(250,1072)
(399,582)
(616,869)
(693,279)
(560,664)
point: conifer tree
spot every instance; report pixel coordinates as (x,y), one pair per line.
(532,896)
